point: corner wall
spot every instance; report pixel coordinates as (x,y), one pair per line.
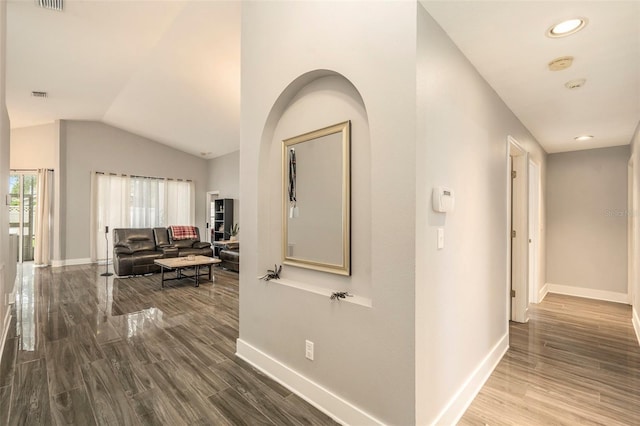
(224,176)
(363,372)
(461,290)
(634,286)
(587,223)
(6,272)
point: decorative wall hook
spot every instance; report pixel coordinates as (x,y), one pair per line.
(340,295)
(272,274)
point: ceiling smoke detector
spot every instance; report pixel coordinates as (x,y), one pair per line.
(561,63)
(36,94)
(51,4)
(575,84)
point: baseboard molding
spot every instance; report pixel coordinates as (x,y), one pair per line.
(542,293)
(636,324)
(589,293)
(323,399)
(459,403)
(70,262)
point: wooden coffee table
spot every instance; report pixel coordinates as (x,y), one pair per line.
(180,263)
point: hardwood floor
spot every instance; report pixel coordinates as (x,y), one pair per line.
(577,361)
(85,350)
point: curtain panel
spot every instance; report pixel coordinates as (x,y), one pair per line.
(121,201)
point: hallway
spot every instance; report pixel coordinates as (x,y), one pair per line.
(576,361)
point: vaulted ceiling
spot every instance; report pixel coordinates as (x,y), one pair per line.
(167,70)
(170,70)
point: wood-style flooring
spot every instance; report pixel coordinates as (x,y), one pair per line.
(576,362)
(85,350)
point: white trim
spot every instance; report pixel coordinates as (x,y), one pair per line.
(459,403)
(542,293)
(589,293)
(323,399)
(636,324)
(71,262)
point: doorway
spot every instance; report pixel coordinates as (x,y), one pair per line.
(212,196)
(23,187)
(518,239)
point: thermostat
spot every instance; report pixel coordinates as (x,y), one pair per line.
(443,199)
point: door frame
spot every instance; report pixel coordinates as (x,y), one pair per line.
(631,230)
(517,247)
(207,213)
(534,231)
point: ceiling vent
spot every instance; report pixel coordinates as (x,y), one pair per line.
(561,63)
(575,84)
(39,94)
(51,4)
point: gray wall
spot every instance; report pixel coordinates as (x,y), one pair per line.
(363,354)
(6,270)
(460,290)
(91,146)
(224,176)
(587,219)
(34,147)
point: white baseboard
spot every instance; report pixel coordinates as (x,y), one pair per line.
(323,399)
(542,293)
(589,293)
(70,262)
(636,324)
(459,403)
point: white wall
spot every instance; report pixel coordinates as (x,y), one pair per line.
(87,146)
(364,355)
(635,217)
(587,219)
(34,147)
(461,290)
(224,176)
(6,277)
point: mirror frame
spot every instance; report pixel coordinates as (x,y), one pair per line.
(345,267)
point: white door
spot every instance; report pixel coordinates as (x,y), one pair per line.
(519,240)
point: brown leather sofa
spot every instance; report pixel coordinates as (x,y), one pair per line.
(230,256)
(135,249)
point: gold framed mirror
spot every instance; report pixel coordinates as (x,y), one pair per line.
(316,183)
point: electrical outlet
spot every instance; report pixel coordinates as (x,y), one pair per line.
(308,350)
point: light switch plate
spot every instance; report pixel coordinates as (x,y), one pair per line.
(440,238)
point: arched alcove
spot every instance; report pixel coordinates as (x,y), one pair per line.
(312,101)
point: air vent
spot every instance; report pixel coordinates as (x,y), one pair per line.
(575,84)
(39,94)
(51,4)
(561,63)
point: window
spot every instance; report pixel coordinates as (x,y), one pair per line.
(121,201)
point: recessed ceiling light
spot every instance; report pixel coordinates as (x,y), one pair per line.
(583,138)
(568,27)
(575,84)
(561,63)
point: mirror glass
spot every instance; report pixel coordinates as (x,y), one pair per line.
(316,200)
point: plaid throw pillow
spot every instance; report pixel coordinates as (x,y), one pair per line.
(184,232)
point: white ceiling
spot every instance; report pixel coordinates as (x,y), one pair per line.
(170,70)
(506,42)
(166,70)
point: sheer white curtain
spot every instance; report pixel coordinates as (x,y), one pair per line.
(111,198)
(180,203)
(147,202)
(43,217)
(136,202)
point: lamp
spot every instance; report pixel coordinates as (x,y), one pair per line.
(106,238)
